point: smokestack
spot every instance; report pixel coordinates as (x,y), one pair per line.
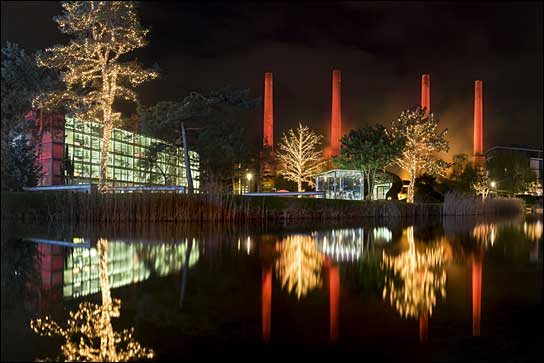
(268,129)
(336,117)
(426,92)
(478,122)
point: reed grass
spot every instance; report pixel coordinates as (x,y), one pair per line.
(220,208)
(211,208)
(470,205)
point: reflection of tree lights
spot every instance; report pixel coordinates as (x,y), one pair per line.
(299,264)
(248,244)
(382,234)
(422,275)
(89,335)
(485,234)
(341,244)
(533,230)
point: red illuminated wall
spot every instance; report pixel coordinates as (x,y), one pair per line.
(336,116)
(426,92)
(268,133)
(49,129)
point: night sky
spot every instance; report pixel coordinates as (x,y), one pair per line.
(381,48)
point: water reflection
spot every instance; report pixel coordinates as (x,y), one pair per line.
(414,280)
(341,244)
(533,230)
(485,234)
(129,263)
(299,264)
(333,281)
(89,335)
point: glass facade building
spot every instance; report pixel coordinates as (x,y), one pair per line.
(349,184)
(126,164)
(70,151)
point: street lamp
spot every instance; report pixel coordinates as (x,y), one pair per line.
(493,184)
(249,176)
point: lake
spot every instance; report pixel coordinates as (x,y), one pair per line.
(432,290)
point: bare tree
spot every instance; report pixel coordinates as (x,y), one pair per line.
(300,158)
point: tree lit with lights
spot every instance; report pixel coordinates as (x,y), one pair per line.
(417,278)
(482,186)
(300,158)
(89,335)
(422,140)
(299,265)
(92,66)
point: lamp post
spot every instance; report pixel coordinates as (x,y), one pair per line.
(492,184)
(249,176)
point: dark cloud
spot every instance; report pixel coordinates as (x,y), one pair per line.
(381,48)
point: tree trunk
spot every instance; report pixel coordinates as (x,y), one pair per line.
(107,342)
(188,175)
(299,185)
(185,271)
(106,139)
(411,186)
(370,185)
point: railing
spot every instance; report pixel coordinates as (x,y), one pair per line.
(91,188)
(85,242)
(87,188)
(165,188)
(285,194)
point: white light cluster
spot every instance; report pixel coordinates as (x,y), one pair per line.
(341,244)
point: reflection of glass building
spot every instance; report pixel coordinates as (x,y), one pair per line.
(341,244)
(349,184)
(70,153)
(128,263)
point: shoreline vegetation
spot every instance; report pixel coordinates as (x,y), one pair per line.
(214,208)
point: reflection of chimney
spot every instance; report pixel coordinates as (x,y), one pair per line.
(476,293)
(336,116)
(426,92)
(478,151)
(266,302)
(334,300)
(424,327)
(268,130)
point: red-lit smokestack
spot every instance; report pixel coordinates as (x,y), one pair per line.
(336,117)
(478,119)
(268,133)
(426,92)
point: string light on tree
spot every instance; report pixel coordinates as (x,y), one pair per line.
(89,335)
(300,159)
(417,278)
(422,141)
(91,68)
(299,265)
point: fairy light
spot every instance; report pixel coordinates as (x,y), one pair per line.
(341,244)
(422,139)
(299,265)
(89,335)
(422,279)
(299,157)
(90,67)
(485,234)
